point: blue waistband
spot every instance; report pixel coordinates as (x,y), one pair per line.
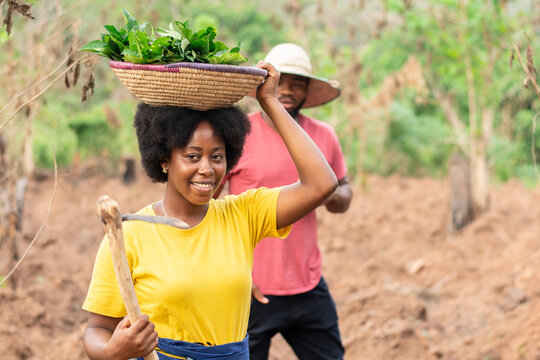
(231,351)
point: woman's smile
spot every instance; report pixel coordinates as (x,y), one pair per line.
(204,186)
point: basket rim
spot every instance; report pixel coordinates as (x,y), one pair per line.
(176,67)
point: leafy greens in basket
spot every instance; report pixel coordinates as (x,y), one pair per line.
(177,44)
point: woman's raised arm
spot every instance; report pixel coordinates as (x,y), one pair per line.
(316,178)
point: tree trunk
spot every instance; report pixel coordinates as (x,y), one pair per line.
(461,207)
(28,150)
(13,248)
(478,135)
(479,168)
(479,180)
(4,190)
(130,173)
(8,217)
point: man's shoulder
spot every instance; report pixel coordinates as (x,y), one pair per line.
(254,116)
(258,126)
(309,123)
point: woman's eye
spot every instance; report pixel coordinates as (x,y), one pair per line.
(217,157)
(193,157)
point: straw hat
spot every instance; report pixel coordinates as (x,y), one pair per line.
(292,59)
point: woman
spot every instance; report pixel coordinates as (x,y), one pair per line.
(195,284)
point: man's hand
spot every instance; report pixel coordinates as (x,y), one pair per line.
(258,295)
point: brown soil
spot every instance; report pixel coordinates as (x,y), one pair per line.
(404,289)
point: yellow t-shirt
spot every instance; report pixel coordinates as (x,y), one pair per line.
(194,284)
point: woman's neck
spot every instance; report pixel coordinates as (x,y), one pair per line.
(178,207)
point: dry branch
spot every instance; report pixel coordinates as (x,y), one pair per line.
(40,228)
(446,102)
(33,86)
(409,76)
(19,6)
(43,90)
(529,69)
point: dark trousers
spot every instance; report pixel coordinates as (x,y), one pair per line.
(308,322)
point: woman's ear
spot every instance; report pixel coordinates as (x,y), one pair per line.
(164,167)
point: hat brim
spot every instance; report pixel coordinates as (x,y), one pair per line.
(320,91)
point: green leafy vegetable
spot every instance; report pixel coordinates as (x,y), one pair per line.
(138,44)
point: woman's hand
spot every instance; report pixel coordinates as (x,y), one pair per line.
(268,89)
(135,340)
(115,338)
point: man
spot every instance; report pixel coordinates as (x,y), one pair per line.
(288,271)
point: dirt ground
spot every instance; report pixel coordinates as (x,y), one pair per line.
(403,288)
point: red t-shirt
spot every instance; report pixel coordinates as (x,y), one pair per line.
(291,265)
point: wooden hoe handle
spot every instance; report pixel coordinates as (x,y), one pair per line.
(109,212)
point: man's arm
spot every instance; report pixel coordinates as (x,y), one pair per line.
(340,200)
(223,186)
(219,190)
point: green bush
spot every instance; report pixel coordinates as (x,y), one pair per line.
(424,140)
(52,130)
(84,130)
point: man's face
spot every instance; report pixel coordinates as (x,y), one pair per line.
(292,92)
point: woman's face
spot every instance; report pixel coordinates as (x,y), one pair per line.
(196,170)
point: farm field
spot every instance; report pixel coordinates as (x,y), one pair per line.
(404,289)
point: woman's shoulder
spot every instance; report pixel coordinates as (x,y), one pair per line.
(147,210)
(251,196)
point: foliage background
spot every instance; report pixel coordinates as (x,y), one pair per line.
(386,125)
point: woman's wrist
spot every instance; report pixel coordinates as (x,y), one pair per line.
(270,104)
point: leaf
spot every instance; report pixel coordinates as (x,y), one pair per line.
(134,45)
(219,46)
(162,41)
(131,22)
(158,49)
(228,58)
(96,46)
(183,29)
(143,26)
(172,57)
(184,44)
(236,49)
(133,56)
(115,46)
(191,55)
(137,44)
(114,32)
(171,33)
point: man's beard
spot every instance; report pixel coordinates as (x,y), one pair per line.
(294,112)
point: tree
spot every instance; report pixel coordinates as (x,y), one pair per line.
(464,46)
(26,75)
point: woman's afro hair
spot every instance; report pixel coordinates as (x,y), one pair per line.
(162,129)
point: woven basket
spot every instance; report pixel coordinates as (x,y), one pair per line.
(194,85)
